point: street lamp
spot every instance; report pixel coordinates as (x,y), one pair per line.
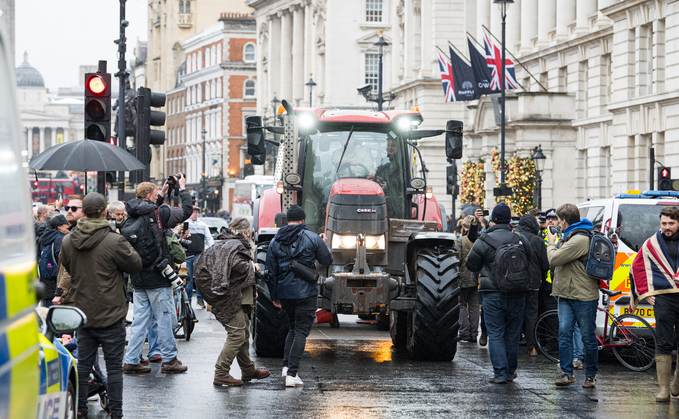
(539,161)
(204,133)
(380,44)
(503,191)
(311,85)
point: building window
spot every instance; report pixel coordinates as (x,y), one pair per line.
(249,53)
(219,53)
(372,62)
(219,88)
(200,93)
(199,62)
(213,55)
(181,7)
(373,10)
(188,7)
(249,88)
(212,89)
(193,62)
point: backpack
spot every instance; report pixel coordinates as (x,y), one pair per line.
(49,267)
(139,234)
(510,272)
(600,260)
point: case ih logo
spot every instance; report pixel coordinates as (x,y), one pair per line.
(366,210)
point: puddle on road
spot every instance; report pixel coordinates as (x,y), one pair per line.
(378,351)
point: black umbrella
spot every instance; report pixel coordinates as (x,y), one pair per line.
(469,208)
(86,156)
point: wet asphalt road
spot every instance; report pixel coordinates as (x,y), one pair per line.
(353,372)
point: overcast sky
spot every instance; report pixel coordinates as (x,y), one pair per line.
(59,36)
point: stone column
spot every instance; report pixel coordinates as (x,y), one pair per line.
(482,17)
(602,21)
(298,75)
(529,25)
(286,56)
(546,21)
(427,50)
(565,15)
(29,142)
(274,58)
(585,8)
(495,23)
(54,137)
(513,27)
(42,140)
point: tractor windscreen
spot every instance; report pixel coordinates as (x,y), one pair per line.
(374,155)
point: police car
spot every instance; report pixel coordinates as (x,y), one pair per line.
(58,372)
(628,220)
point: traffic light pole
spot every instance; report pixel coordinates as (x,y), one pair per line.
(122,48)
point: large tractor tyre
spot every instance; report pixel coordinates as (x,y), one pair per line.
(398,328)
(433,327)
(269,325)
(383,321)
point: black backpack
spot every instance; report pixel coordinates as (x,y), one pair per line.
(510,272)
(138,232)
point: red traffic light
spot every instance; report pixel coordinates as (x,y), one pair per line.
(664,173)
(35,184)
(96,85)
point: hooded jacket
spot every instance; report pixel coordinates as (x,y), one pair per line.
(222,272)
(570,279)
(51,236)
(539,266)
(482,256)
(96,258)
(167,217)
(304,246)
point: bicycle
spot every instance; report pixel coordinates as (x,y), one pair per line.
(630,337)
(186,317)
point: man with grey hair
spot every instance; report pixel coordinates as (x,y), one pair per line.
(225,277)
(116,210)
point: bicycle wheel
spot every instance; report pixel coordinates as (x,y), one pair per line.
(547,335)
(638,354)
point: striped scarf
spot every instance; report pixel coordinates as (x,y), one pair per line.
(651,271)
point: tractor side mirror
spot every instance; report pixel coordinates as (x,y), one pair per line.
(255,134)
(454,139)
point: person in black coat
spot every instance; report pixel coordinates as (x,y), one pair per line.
(539,266)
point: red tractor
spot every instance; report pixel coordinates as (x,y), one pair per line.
(361,180)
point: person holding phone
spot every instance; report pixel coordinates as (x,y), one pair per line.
(201,239)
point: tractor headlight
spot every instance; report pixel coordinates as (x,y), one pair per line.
(349,242)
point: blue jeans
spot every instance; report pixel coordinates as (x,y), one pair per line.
(112,341)
(156,304)
(154,344)
(578,347)
(504,318)
(584,314)
(189,283)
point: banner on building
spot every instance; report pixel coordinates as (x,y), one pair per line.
(479,69)
(494,62)
(463,77)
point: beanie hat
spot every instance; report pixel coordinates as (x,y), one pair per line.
(58,220)
(296,213)
(94,203)
(501,214)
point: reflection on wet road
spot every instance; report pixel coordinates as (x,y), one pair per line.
(354,372)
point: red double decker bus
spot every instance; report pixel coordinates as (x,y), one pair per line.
(47,190)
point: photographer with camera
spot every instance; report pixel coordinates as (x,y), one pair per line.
(201,239)
(148,220)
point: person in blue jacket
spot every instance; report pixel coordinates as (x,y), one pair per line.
(293,294)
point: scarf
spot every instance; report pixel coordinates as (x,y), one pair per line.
(651,272)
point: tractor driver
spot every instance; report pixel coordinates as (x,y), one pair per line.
(390,177)
(357,161)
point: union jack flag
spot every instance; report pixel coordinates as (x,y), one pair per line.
(447,78)
(494,60)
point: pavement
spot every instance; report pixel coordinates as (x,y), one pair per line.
(354,372)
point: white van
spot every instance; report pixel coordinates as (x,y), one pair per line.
(246,192)
(630,219)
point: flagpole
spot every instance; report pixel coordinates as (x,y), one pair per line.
(468,61)
(517,61)
(479,44)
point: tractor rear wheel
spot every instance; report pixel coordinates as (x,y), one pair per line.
(269,325)
(432,329)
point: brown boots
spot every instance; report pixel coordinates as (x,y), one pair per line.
(663,366)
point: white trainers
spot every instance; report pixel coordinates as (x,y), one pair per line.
(285,372)
(293,381)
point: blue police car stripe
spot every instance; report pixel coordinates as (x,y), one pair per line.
(5,375)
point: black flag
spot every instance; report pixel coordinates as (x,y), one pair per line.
(465,89)
(480,70)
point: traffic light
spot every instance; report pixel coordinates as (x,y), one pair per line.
(665,179)
(146,118)
(451,179)
(98,106)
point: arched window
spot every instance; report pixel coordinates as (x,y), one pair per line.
(181,7)
(188,65)
(188,7)
(199,63)
(249,53)
(212,89)
(193,63)
(219,88)
(219,53)
(249,88)
(193,95)
(213,55)
(199,95)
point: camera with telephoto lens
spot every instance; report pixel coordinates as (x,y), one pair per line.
(184,242)
(169,273)
(172,183)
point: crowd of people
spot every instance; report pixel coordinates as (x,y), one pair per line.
(101,256)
